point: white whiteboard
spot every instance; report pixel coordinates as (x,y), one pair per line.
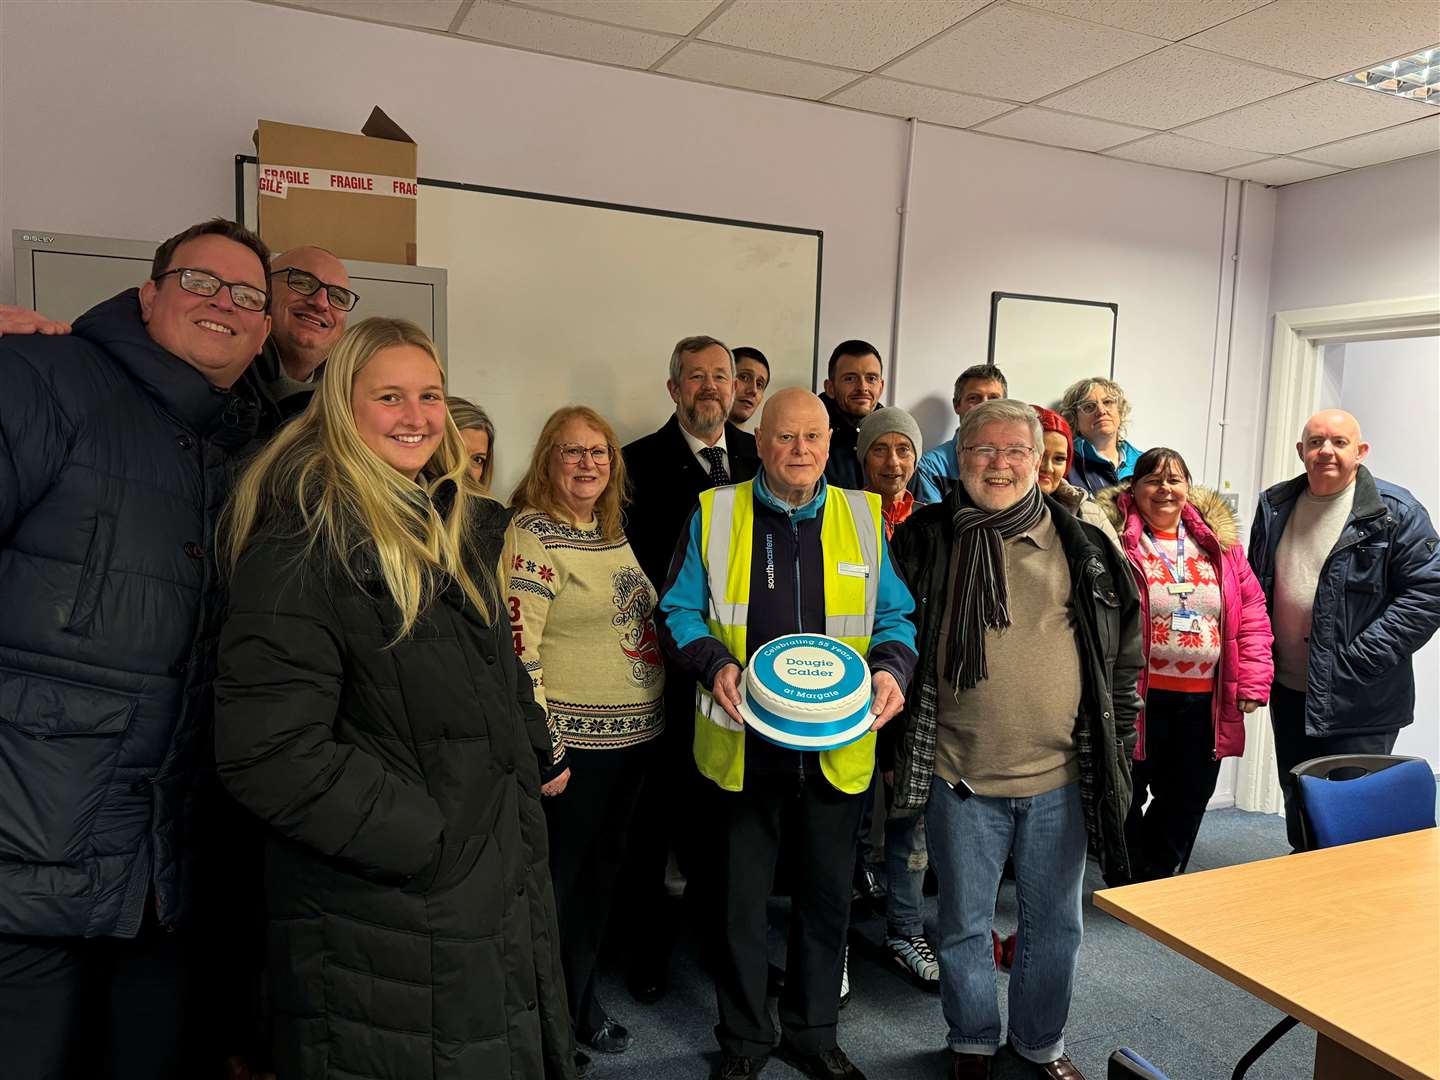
(557,301)
(1043,343)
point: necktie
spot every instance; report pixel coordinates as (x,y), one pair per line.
(716,457)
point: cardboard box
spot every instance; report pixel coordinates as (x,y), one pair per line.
(352,194)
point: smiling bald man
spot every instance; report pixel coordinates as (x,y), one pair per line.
(1351,575)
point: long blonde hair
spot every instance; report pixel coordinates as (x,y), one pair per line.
(319,474)
(537,487)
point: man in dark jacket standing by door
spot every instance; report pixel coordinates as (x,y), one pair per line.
(1351,574)
(1019,731)
(113,470)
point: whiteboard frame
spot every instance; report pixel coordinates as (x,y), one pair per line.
(996,297)
(242,160)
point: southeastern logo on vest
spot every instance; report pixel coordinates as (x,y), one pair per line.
(807,692)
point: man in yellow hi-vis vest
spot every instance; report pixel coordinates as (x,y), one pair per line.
(785,553)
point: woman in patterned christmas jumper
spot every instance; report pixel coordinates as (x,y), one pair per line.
(1207,646)
(580,611)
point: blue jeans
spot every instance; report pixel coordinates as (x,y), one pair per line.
(905,865)
(969,842)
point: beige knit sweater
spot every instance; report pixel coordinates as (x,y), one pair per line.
(581,612)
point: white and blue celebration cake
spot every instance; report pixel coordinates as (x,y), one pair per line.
(807,692)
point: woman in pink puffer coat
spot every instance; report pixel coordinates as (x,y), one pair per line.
(1207,651)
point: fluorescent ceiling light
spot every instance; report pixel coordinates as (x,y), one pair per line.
(1416,77)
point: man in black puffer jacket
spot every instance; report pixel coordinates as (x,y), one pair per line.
(115,452)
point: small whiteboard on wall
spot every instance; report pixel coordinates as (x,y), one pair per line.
(556,301)
(1045,343)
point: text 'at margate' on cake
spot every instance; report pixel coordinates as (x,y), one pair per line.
(807,692)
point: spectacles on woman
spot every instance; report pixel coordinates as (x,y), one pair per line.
(203,283)
(570,453)
(1089,408)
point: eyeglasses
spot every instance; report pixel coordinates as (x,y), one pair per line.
(571,454)
(307,284)
(1014,455)
(1089,408)
(202,283)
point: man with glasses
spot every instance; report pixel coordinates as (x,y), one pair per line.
(696,449)
(1017,742)
(115,443)
(312,300)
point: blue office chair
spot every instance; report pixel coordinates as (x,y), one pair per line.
(1126,1064)
(1347,798)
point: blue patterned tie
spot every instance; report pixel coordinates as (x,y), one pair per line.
(716,457)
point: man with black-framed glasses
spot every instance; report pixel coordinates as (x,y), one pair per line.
(116,443)
(310,301)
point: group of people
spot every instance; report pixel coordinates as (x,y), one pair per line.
(322,760)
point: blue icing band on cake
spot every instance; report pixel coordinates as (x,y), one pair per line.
(807,728)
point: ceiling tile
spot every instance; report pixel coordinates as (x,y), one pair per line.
(429,14)
(1407,140)
(754,71)
(1281,170)
(846,33)
(1314,114)
(666,16)
(1020,54)
(1178,152)
(504,24)
(1060,129)
(1170,19)
(1327,37)
(904,99)
(1174,86)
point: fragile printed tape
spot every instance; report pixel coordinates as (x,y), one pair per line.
(277,180)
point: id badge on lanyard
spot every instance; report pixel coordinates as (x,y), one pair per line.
(1183,618)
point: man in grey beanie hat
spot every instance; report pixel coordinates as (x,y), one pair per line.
(889,446)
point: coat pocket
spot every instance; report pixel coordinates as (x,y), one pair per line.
(92,574)
(59,742)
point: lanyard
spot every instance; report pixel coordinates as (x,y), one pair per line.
(1177,569)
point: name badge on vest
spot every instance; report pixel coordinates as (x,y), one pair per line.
(850,569)
(1186,622)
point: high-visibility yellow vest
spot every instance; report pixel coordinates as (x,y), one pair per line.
(850,531)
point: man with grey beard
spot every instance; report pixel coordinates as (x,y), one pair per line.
(696,449)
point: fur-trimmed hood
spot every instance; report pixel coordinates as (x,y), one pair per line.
(1208,503)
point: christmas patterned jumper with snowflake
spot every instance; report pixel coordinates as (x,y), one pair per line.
(1182,660)
(581,612)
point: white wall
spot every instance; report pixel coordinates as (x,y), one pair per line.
(1371,234)
(131,129)
(1393,388)
(130,125)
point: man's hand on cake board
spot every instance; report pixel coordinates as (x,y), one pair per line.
(886,698)
(726,691)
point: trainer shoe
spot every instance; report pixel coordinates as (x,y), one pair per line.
(916,958)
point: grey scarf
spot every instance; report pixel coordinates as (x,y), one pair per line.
(981,599)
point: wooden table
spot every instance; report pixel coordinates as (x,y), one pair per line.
(1345,939)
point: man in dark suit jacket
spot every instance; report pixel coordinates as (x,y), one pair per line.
(696,449)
